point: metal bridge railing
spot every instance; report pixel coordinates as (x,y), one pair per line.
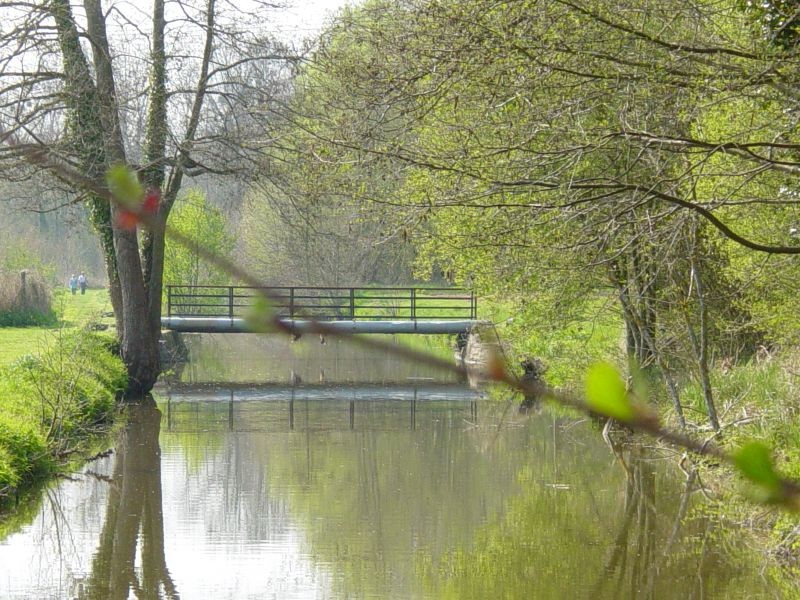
(325,303)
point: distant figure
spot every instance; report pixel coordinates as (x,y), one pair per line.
(73,284)
(82,283)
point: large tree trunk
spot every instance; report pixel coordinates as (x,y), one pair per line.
(139,344)
(154,270)
(135,279)
(154,172)
(115,292)
(155,149)
(94,124)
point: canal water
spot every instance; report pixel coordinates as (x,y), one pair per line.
(263,469)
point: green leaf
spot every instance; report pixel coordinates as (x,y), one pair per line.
(259,316)
(755,462)
(606,393)
(124,184)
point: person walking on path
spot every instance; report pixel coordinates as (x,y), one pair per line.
(73,284)
(82,283)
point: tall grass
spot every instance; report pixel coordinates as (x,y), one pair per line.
(24,300)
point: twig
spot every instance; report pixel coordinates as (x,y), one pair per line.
(645,422)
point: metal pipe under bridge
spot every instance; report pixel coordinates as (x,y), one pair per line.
(419,310)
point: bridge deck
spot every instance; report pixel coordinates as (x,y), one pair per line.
(223,309)
(239,325)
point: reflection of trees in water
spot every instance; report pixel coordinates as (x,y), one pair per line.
(640,554)
(630,566)
(133,512)
(595,531)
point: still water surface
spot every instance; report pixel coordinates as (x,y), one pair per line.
(269,470)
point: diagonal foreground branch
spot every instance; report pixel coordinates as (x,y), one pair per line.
(788,492)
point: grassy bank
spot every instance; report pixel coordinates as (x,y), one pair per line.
(72,311)
(51,404)
(757,400)
(57,389)
(567,346)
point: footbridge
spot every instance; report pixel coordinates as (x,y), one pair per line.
(416,310)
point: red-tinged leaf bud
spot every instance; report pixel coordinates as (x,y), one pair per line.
(152,199)
(127,219)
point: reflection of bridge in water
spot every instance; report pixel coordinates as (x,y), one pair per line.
(276,407)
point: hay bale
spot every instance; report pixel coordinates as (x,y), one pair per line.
(24,299)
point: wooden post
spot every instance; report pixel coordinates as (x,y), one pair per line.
(352,304)
(22,296)
(230,301)
(291,303)
(413,304)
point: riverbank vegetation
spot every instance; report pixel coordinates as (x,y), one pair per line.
(618,177)
(58,386)
(53,402)
(622,176)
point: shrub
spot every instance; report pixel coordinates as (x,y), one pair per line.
(23,453)
(9,478)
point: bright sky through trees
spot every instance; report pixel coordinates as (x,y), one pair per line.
(303,19)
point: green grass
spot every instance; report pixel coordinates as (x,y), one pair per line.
(73,312)
(568,344)
(53,403)
(77,310)
(57,388)
(19,341)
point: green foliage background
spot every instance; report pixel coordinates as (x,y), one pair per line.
(195,217)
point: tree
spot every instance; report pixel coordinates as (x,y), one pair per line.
(79,66)
(541,138)
(194,217)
